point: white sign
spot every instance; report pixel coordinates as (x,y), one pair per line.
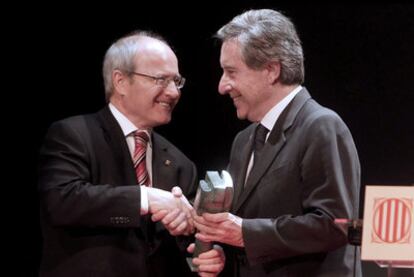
(388,229)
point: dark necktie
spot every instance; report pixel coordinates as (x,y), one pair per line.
(259,140)
(258,143)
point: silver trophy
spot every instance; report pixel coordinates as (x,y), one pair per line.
(214,195)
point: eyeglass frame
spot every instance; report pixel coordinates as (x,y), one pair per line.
(163,81)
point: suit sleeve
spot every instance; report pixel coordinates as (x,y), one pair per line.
(329,176)
(68,196)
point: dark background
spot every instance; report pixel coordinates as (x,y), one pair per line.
(359,61)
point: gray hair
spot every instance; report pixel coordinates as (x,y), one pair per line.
(267,36)
(121,56)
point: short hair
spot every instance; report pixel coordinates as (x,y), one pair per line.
(266,36)
(121,56)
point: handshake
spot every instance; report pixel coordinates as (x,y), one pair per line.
(172,209)
(214,195)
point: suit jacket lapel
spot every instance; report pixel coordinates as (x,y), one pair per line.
(273,145)
(244,162)
(163,164)
(117,143)
(164,167)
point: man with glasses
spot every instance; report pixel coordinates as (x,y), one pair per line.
(102,175)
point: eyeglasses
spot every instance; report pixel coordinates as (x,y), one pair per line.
(164,81)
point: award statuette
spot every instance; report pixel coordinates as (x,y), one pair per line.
(214,195)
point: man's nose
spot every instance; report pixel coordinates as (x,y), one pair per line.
(224,86)
(172,90)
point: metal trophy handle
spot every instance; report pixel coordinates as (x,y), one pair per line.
(214,195)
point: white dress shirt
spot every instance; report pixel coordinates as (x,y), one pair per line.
(128,128)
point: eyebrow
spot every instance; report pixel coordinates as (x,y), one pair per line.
(227,67)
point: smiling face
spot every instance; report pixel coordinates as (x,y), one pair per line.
(140,98)
(250,89)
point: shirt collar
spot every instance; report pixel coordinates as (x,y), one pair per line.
(269,120)
(126,125)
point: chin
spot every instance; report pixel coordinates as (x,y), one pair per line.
(164,121)
(241,115)
(155,122)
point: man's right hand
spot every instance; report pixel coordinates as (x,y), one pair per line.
(173,209)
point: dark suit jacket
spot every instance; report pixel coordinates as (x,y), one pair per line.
(308,175)
(90,202)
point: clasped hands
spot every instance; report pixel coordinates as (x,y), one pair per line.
(172,209)
(180,218)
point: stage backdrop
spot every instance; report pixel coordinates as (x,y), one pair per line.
(359,61)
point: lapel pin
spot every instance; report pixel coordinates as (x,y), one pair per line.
(167,162)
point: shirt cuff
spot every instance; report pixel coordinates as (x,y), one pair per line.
(144,200)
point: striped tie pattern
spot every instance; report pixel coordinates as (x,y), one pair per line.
(141,141)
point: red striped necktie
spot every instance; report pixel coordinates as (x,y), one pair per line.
(141,142)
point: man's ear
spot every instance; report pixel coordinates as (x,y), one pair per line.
(273,69)
(119,81)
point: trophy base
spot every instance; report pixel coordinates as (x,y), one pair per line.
(194,268)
